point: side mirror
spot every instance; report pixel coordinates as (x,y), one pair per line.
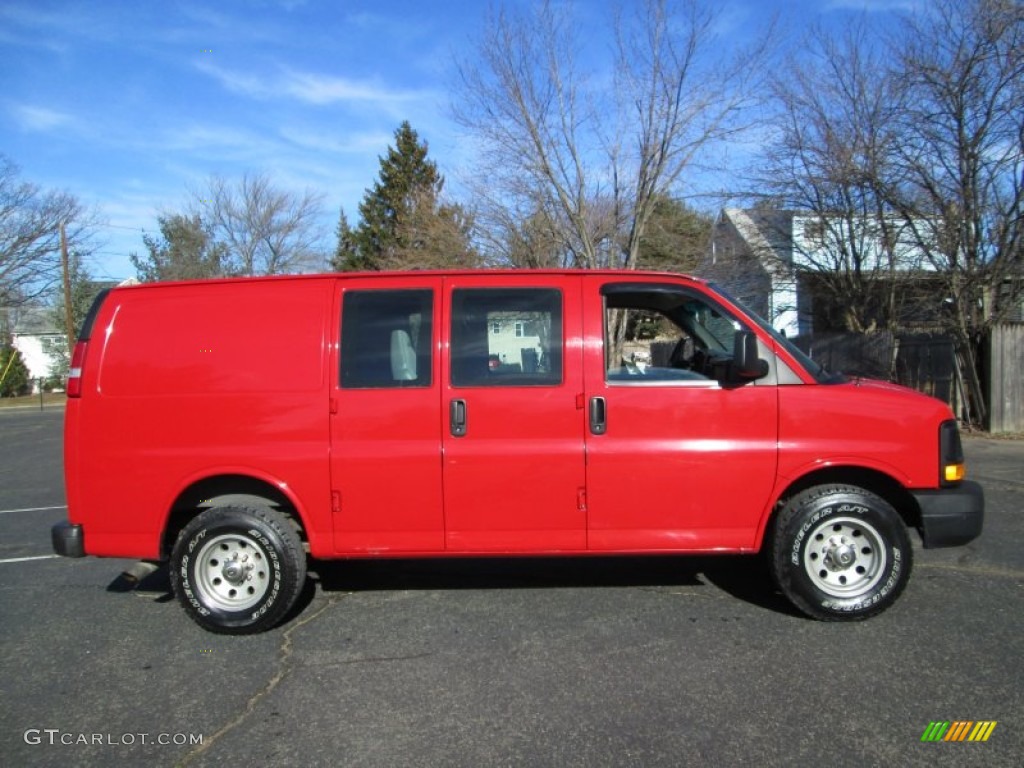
(745,362)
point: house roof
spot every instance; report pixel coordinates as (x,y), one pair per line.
(33,321)
(767,232)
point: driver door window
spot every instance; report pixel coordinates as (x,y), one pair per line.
(658,336)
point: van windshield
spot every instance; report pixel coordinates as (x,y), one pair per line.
(818,371)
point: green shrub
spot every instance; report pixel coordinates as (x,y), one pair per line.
(14,379)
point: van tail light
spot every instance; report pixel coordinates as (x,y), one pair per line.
(75,372)
(82,346)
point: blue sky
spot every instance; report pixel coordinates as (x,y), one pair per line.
(128,105)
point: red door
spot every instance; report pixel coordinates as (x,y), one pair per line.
(514,476)
(676,458)
(386,491)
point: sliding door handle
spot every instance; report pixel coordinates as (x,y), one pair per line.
(457,417)
(598,416)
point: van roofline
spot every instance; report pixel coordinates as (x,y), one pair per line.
(400,274)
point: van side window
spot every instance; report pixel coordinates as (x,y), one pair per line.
(658,335)
(386,339)
(506,337)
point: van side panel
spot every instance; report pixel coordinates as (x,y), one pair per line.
(192,381)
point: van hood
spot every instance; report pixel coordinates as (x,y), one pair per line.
(910,396)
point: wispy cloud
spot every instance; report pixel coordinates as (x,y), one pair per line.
(39,24)
(309,87)
(332,142)
(325,89)
(30,117)
(205,140)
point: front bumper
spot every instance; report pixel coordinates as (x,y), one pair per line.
(68,539)
(951,516)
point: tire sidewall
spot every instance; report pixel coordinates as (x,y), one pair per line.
(283,577)
(812,510)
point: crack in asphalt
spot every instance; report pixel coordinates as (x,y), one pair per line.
(1006,573)
(283,668)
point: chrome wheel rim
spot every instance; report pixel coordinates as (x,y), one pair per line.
(845,557)
(232,572)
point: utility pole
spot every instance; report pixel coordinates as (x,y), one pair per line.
(68,321)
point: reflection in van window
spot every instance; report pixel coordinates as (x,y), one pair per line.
(506,337)
(385,339)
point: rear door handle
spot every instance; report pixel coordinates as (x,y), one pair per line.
(598,416)
(457,417)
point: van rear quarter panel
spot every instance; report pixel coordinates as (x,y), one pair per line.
(193,381)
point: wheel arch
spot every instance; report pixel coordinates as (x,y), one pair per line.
(228,489)
(877,482)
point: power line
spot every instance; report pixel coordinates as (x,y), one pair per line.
(121,226)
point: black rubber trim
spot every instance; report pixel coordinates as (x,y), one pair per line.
(85,333)
(68,539)
(951,516)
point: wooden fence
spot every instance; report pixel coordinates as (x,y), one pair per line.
(929,363)
(1005,368)
(992,397)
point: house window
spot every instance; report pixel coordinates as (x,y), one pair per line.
(814,231)
(520,329)
(52,344)
(386,339)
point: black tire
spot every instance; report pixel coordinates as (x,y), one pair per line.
(840,553)
(238,570)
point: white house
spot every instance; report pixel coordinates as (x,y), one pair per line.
(34,333)
(768,258)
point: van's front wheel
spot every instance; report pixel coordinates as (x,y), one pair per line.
(237,570)
(840,553)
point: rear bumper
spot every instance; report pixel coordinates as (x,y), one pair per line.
(68,539)
(951,516)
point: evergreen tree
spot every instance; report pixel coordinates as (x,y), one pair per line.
(13,373)
(676,237)
(403,222)
(346,255)
(186,250)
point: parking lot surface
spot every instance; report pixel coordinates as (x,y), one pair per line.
(595,662)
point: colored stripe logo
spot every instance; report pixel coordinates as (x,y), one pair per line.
(958,730)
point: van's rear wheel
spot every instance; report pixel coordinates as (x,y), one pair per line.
(238,570)
(840,553)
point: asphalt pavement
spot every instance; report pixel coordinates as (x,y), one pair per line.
(597,662)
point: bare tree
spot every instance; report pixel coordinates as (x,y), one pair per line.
(962,161)
(588,160)
(267,231)
(831,161)
(30,224)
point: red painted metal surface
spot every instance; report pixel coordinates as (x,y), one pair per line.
(240,379)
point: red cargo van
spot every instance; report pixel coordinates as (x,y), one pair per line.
(238,427)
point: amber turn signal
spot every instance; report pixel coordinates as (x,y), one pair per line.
(953,473)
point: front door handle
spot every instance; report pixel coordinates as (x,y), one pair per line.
(598,416)
(457,417)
